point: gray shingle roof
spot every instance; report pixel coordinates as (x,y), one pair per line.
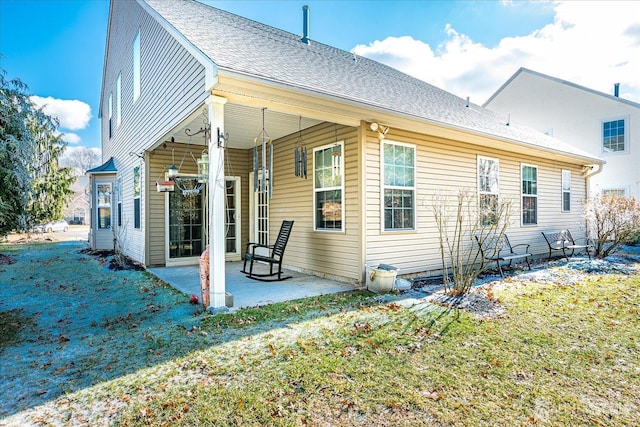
(243,46)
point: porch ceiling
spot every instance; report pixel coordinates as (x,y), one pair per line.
(243,124)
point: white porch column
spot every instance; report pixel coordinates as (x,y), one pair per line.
(216,205)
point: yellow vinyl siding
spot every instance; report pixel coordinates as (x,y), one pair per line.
(448,166)
(329,254)
(235,165)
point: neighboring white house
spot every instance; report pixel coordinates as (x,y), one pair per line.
(79,208)
(602,124)
(182,79)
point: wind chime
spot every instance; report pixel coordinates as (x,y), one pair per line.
(336,156)
(261,170)
(300,154)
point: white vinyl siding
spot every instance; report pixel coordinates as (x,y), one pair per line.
(172,86)
(529,206)
(566,190)
(488,188)
(399,186)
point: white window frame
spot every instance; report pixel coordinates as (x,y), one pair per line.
(119,217)
(627,140)
(137,196)
(565,189)
(104,204)
(110,108)
(523,195)
(492,192)
(119,99)
(384,187)
(616,191)
(136,67)
(322,189)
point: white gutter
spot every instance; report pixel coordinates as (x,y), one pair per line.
(401,114)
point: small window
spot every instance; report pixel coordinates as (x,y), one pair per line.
(104,206)
(614,192)
(529,194)
(136,197)
(488,186)
(119,99)
(136,67)
(328,187)
(110,114)
(119,198)
(614,136)
(399,186)
(566,190)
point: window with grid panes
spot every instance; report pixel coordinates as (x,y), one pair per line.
(399,181)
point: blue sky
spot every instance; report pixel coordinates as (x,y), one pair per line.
(469,48)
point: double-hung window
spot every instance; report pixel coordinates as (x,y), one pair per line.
(399,186)
(328,187)
(110,108)
(529,176)
(488,186)
(119,198)
(614,136)
(119,99)
(136,197)
(104,206)
(566,190)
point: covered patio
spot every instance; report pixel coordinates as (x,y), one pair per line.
(248,292)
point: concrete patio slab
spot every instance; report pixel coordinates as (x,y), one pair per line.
(251,293)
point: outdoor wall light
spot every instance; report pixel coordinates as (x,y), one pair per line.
(382,130)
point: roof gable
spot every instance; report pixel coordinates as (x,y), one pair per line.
(522,71)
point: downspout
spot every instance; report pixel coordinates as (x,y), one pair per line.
(588,172)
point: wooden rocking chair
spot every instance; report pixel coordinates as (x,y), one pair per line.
(275,255)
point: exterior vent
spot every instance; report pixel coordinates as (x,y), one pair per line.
(305,25)
(616,89)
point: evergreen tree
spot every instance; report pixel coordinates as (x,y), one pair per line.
(33,188)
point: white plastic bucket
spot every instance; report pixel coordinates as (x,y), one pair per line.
(380,280)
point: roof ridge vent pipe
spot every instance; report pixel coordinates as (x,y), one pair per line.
(616,90)
(305,25)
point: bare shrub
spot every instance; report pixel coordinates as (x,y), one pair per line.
(461,219)
(120,244)
(611,221)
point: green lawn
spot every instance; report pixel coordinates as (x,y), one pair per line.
(561,355)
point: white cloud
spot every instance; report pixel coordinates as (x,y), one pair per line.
(594,44)
(72,114)
(71,138)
